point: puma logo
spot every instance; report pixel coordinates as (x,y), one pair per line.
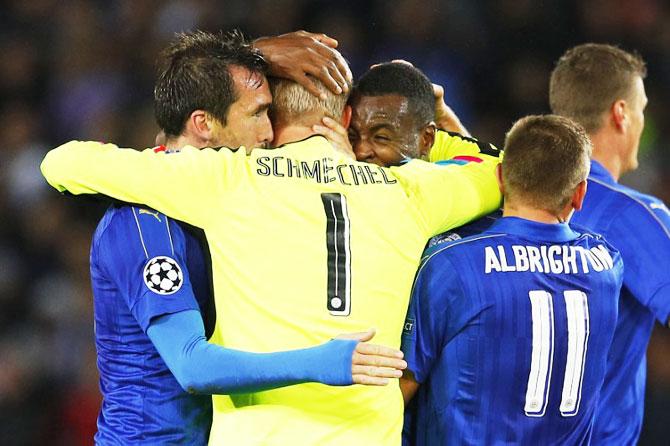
(153,213)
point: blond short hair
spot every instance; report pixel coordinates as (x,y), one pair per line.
(546,157)
(291,102)
(589,78)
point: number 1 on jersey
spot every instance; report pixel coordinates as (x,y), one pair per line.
(339,254)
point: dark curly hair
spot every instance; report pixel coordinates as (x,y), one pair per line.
(403,80)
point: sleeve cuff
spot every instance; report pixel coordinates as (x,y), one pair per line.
(152,305)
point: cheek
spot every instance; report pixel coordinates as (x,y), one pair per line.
(391,156)
(264,122)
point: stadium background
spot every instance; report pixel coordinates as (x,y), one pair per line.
(84,69)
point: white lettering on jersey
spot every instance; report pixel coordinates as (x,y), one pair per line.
(491,263)
(521,256)
(555,259)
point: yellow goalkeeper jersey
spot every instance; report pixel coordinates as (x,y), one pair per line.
(305,244)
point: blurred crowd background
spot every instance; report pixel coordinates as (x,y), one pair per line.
(75,69)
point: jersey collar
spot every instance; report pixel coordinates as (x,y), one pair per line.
(533,230)
(317,143)
(598,172)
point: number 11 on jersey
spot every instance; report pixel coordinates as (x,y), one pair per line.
(339,254)
(542,356)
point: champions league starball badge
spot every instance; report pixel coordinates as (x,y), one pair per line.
(162,275)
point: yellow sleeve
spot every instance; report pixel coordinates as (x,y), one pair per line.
(448,196)
(177,184)
(449,144)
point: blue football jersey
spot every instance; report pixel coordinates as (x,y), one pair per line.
(473,228)
(143,265)
(638,226)
(508,334)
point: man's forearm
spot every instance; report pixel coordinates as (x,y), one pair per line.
(130,176)
(201,367)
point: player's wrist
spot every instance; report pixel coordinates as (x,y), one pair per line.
(332,362)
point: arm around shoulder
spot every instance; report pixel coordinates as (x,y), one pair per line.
(140,177)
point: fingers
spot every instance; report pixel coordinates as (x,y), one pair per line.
(329,67)
(372,364)
(376,372)
(307,83)
(335,63)
(330,135)
(359,336)
(376,369)
(323,38)
(336,127)
(337,71)
(374,376)
(370,354)
(386,368)
(337,135)
(320,71)
(343,70)
(296,54)
(369,380)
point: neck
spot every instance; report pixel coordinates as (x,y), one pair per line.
(512,209)
(291,133)
(605,151)
(295,128)
(182,140)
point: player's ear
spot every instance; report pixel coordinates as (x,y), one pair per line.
(578,195)
(346,116)
(426,139)
(161,138)
(618,114)
(499,177)
(198,125)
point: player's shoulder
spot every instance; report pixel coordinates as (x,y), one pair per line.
(627,199)
(447,251)
(127,222)
(448,138)
(451,267)
(416,174)
(473,228)
(115,217)
(647,206)
(141,216)
(589,239)
(586,234)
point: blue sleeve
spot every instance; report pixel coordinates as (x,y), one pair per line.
(642,235)
(143,253)
(425,331)
(201,367)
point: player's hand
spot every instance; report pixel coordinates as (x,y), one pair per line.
(298,54)
(337,135)
(373,364)
(445,118)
